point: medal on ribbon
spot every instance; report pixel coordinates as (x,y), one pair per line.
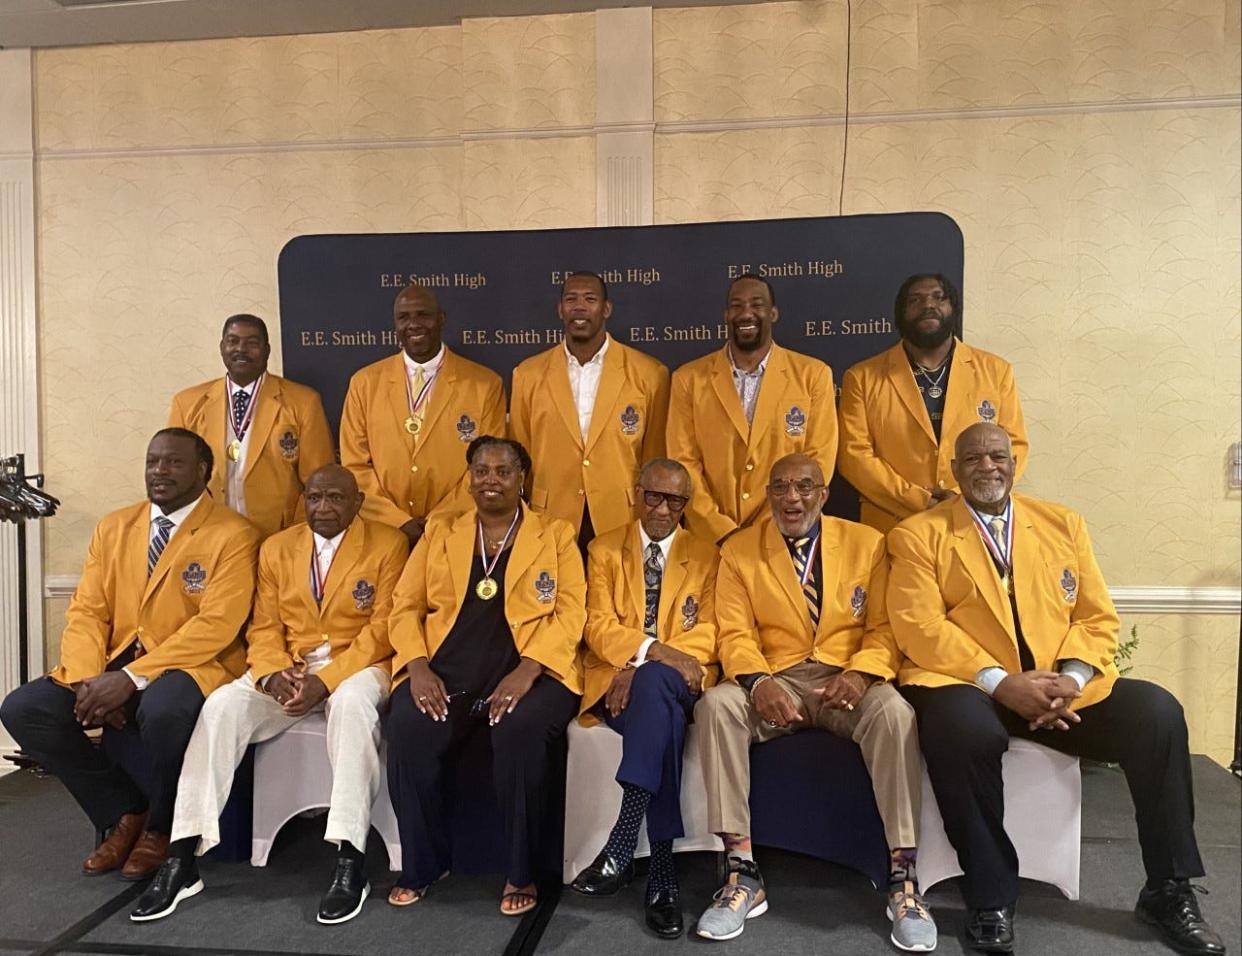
(239,434)
(487,588)
(414,422)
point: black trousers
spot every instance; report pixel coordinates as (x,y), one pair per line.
(150,748)
(419,747)
(964,733)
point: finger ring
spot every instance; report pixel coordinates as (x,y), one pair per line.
(510,697)
(422,698)
(771,723)
(849,706)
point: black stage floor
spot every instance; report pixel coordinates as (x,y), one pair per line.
(47,908)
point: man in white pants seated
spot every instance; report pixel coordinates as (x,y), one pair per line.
(318,637)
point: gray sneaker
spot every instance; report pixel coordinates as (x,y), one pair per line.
(740,899)
(914,930)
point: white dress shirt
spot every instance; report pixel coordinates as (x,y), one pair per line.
(326,548)
(431,368)
(665,545)
(584,383)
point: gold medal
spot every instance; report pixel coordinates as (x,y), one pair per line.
(235,450)
(486,589)
(414,424)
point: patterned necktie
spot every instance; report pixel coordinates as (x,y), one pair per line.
(163,529)
(417,381)
(241,401)
(802,552)
(997,527)
(653,573)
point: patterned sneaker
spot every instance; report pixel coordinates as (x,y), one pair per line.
(740,899)
(914,930)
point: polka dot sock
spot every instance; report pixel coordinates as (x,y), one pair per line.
(663,874)
(624,836)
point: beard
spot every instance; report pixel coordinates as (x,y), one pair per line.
(911,332)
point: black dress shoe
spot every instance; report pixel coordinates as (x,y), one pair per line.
(1174,910)
(174,881)
(990,931)
(663,913)
(603,877)
(346,894)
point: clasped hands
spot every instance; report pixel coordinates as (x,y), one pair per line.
(431,697)
(843,691)
(690,670)
(296,691)
(1041,698)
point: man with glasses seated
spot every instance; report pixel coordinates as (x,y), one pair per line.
(804,641)
(650,651)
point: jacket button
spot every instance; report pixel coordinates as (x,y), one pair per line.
(413,467)
(586,463)
(746,496)
(324,636)
(750,466)
(581,492)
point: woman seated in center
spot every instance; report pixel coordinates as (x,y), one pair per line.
(485,625)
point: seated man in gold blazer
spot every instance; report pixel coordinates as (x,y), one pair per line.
(734,412)
(590,410)
(486,622)
(318,638)
(805,642)
(408,419)
(1007,629)
(267,433)
(650,649)
(897,406)
(151,631)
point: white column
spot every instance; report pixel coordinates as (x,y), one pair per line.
(624,118)
(19,386)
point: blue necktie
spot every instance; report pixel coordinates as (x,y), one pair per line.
(163,530)
(653,572)
(802,551)
(241,401)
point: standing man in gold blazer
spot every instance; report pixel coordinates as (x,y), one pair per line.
(408,419)
(590,410)
(902,409)
(650,650)
(805,642)
(267,433)
(733,413)
(1007,629)
(318,639)
(151,631)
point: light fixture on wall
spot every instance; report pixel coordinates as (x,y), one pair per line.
(1235,465)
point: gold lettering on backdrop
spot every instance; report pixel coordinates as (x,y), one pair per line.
(792,269)
(433,280)
(821,327)
(355,338)
(630,275)
(519,336)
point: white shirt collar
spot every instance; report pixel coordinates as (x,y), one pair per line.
(177,516)
(596,359)
(430,367)
(248,389)
(328,545)
(665,545)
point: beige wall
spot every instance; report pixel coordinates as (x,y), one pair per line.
(1089,149)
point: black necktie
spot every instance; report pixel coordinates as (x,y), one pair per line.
(241,401)
(653,572)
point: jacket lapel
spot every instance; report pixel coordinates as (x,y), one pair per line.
(830,570)
(215,429)
(441,395)
(902,381)
(302,559)
(771,392)
(974,555)
(1027,559)
(611,377)
(726,394)
(347,555)
(398,400)
(959,412)
(137,543)
(179,542)
(557,381)
(462,541)
(265,415)
(526,547)
(783,567)
(670,586)
(632,572)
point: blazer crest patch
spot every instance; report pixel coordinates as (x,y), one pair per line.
(288,445)
(689,613)
(1069,587)
(629,421)
(364,595)
(194,578)
(545,588)
(466,428)
(858,601)
(987,411)
(795,422)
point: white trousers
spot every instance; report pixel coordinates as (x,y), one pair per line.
(239,714)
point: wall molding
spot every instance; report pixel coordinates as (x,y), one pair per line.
(1140,599)
(722,125)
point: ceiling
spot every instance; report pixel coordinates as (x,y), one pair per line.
(45,23)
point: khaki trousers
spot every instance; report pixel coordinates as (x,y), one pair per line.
(239,714)
(882,724)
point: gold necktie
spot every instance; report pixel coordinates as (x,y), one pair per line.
(417,381)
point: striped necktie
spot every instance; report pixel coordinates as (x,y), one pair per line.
(163,530)
(653,572)
(802,551)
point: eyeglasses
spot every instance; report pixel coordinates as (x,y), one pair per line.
(805,487)
(653,499)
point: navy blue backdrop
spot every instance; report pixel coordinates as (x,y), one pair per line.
(834,279)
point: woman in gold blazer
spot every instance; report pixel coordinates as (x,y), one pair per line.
(486,622)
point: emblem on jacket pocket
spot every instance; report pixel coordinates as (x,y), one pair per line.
(289,446)
(194,579)
(689,613)
(795,422)
(1069,587)
(987,411)
(545,588)
(629,421)
(364,595)
(858,601)
(466,428)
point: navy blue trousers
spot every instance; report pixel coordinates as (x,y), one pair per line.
(653,733)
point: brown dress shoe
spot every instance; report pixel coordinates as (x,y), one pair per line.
(116,848)
(147,856)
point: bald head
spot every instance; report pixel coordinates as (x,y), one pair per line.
(799,460)
(796,494)
(332,500)
(983,466)
(419,320)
